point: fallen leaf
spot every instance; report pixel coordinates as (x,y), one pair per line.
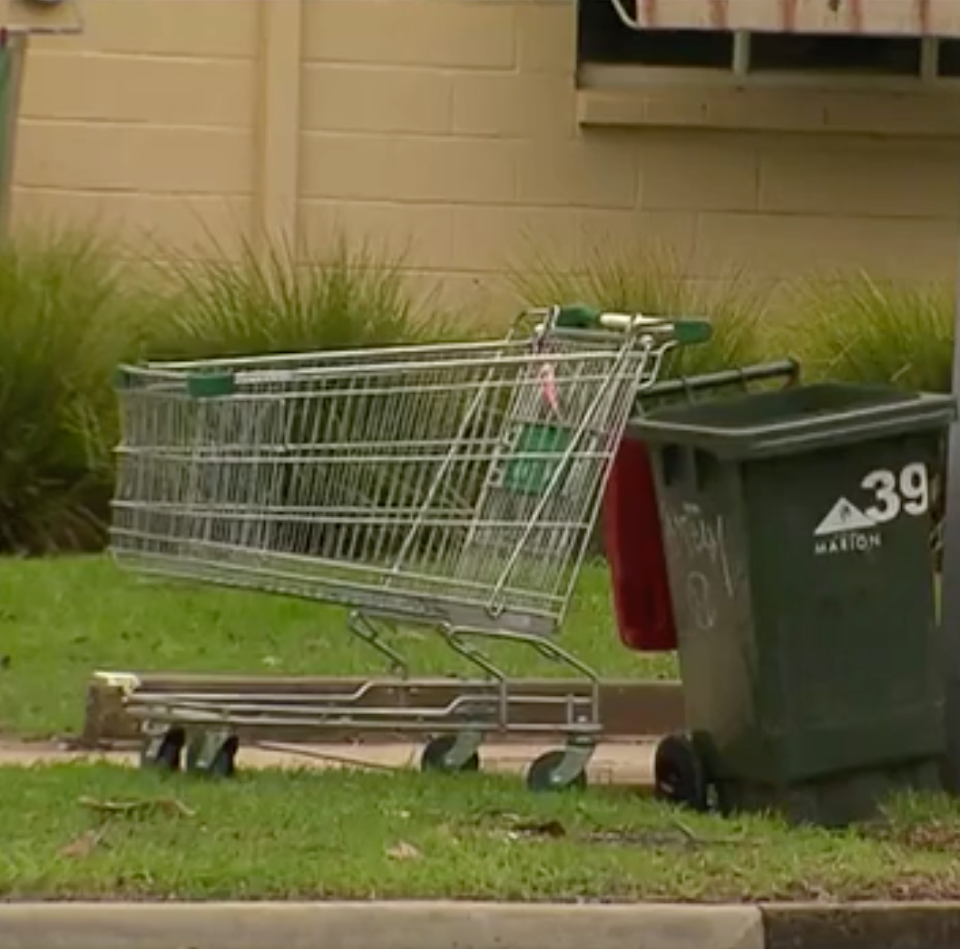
(404,851)
(82,846)
(167,805)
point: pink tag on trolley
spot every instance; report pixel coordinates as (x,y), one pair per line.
(548,383)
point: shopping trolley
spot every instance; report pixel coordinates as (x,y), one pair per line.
(449,486)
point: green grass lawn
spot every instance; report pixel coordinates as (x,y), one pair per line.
(351,835)
(62,619)
(100,831)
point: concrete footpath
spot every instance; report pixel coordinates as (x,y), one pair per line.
(425,925)
(628,763)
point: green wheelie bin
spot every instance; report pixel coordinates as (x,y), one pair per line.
(797,533)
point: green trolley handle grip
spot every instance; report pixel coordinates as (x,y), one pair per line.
(686,331)
(196,385)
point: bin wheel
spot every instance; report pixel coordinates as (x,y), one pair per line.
(724,798)
(163,753)
(435,757)
(545,774)
(678,773)
(212,756)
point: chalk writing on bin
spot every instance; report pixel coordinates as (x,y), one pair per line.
(700,541)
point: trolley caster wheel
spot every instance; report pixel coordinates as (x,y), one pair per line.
(554,771)
(212,755)
(449,754)
(678,774)
(162,752)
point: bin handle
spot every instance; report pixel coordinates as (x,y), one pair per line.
(789,368)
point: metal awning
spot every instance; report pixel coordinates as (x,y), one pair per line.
(939,18)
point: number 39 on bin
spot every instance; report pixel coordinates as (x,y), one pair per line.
(906,492)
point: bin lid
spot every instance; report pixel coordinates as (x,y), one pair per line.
(796,420)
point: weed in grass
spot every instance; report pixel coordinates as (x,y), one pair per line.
(919,822)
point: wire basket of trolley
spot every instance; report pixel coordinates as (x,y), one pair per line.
(452,487)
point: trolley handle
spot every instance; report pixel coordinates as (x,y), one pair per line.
(685,330)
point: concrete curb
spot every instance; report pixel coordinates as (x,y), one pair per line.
(399,925)
(862,926)
(463,925)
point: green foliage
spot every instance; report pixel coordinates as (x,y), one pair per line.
(861,329)
(66,319)
(271,302)
(650,279)
(865,330)
(70,311)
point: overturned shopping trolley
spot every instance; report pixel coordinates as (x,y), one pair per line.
(448,486)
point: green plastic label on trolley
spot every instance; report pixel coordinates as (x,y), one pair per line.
(530,472)
(211,385)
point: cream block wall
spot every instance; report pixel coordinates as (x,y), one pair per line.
(145,124)
(450,127)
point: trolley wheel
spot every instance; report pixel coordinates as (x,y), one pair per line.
(163,752)
(212,755)
(545,774)
(434,757)
(224,764)
(678,773)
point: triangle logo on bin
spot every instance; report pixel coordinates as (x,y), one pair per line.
(844,516)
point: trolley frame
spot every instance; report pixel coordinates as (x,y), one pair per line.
(504,449)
